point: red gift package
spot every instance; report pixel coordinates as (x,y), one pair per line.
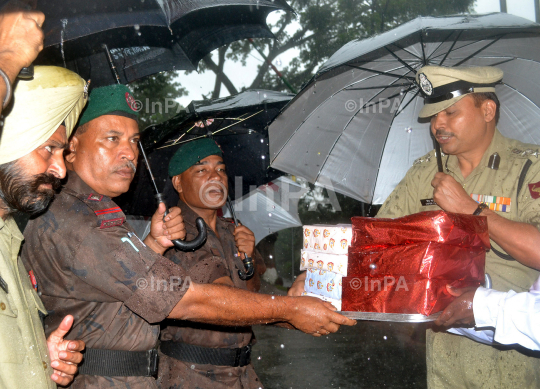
(403,265)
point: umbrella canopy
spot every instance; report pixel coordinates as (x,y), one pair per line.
(354,127)
(145,37)
(238,123)
(269,208)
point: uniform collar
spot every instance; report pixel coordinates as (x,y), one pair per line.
(76,184)
(11,228)
(499,144)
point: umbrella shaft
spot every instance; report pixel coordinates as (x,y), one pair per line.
(148,167)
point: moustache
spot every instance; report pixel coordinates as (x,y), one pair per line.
(443,133)
(128,164)
(45,178)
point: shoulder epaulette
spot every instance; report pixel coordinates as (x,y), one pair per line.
(107,212)
(525,152)
(227,219)
(426,158)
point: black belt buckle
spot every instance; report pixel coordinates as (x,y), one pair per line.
(152,362)
(243,356)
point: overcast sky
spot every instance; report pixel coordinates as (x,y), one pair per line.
(198,84)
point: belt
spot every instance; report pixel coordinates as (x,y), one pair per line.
(207,356)
(119,363)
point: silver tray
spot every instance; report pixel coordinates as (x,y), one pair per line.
(396,317)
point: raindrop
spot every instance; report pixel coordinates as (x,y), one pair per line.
(273,207)
(282,346)
(272,297)
(270,215)
(192,367)
(259,358)
(264,95)
(372,266)
(136,27)
(271,256)
(263,157)
(384,337)
(408,129)
(262,140)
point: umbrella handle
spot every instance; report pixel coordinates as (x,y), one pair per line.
(250,269)
(194,244)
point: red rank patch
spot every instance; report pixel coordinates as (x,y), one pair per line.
(112,222)
(95,197)
(534,189)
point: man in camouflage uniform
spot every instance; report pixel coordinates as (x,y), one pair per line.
(88,261)
(480,166)
(31,166)
(199,176)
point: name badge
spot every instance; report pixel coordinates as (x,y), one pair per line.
(427,202)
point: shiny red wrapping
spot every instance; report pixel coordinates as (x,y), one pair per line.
(433,226)
(403,265)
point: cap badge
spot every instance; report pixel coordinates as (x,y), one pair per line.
(425,84)
(132,103)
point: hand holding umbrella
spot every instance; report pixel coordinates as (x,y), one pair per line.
(248,262)
(201,226)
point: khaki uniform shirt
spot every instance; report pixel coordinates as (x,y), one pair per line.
(455,362)
(407,198)
(216,259)
(86,265)
(24,359)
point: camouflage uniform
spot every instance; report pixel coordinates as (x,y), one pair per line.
(455,361)
(87,266)
(24,359)
(216,259)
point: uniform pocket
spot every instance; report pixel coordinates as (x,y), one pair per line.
(11,341)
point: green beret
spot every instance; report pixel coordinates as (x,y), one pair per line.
(191,153)
(109,99)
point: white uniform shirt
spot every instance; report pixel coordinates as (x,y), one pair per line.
(506,317)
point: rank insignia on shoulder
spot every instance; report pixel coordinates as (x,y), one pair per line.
(95,197)
(526,152)
(534,189)
(108,210)
(112,222)
(495,203)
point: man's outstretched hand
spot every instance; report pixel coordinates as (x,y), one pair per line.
(65,355)
(460,311)
(316,317)
(297,287)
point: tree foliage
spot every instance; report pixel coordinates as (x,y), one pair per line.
(323,27)
(157,95)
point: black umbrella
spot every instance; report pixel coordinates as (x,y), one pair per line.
(238,123)
(145,37)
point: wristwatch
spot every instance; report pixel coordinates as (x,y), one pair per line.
(480,208)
